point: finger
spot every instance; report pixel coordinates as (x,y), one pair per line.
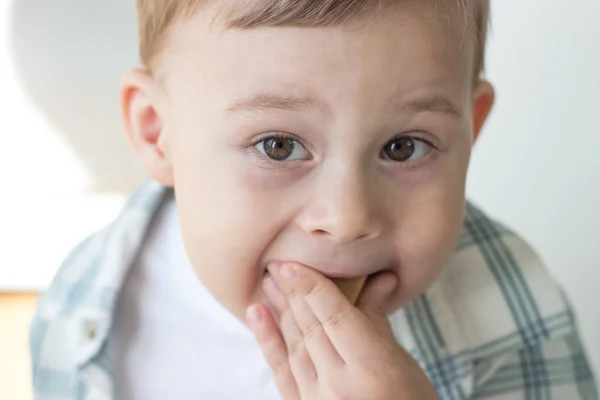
(273,348)
(324,355)
(319,346)
(342,322)
(300,361)
(375,296)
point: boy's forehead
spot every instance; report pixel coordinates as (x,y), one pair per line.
(408,49)
(405,22)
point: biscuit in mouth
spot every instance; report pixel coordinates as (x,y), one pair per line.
(351,288)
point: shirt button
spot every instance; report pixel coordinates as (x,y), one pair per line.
(91,330)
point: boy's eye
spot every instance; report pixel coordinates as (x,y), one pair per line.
(281,148)
(406,148)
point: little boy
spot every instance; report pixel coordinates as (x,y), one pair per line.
(295,146)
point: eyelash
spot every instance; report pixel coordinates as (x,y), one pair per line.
(269,163)
(414,137)
(410,165)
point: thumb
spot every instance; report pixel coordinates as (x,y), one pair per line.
(375,295)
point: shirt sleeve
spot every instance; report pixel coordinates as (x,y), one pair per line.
(556,369)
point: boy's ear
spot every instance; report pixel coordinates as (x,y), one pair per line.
(483,101)
(142,112)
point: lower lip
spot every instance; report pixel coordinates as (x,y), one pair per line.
(337,278)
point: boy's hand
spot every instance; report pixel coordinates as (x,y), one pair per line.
(325,348)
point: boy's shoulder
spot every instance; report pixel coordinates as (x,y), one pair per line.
(493,300)
(74,314)
(495,320)
(96,267)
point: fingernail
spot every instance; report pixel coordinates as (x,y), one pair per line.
(254,315)
(288,272)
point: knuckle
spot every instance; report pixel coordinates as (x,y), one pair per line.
(296,349)
(316,288)
(315,329)
(336,318)
(281,369)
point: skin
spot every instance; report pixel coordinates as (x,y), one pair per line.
(340,207)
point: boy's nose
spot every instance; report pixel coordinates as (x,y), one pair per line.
(343,210)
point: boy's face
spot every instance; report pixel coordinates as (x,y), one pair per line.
(344,149)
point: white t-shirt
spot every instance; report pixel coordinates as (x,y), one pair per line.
(172,340)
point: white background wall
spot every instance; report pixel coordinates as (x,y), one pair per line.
(536,167)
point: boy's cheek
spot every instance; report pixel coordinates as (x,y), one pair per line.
(226,230)
(425,238)
(228,264)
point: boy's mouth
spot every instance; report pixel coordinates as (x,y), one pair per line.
(351,288)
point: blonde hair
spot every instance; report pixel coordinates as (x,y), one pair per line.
(155,17)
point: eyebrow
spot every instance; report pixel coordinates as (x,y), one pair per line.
(269,102)
(435,104)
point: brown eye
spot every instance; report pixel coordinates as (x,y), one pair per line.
(401,149)
(407,148)
(281,148)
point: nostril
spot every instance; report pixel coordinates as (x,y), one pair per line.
(341,237)
(364,236)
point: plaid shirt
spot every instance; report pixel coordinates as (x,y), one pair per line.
(493,325)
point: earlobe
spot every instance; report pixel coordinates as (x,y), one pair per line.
(483,101)
(141,101)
